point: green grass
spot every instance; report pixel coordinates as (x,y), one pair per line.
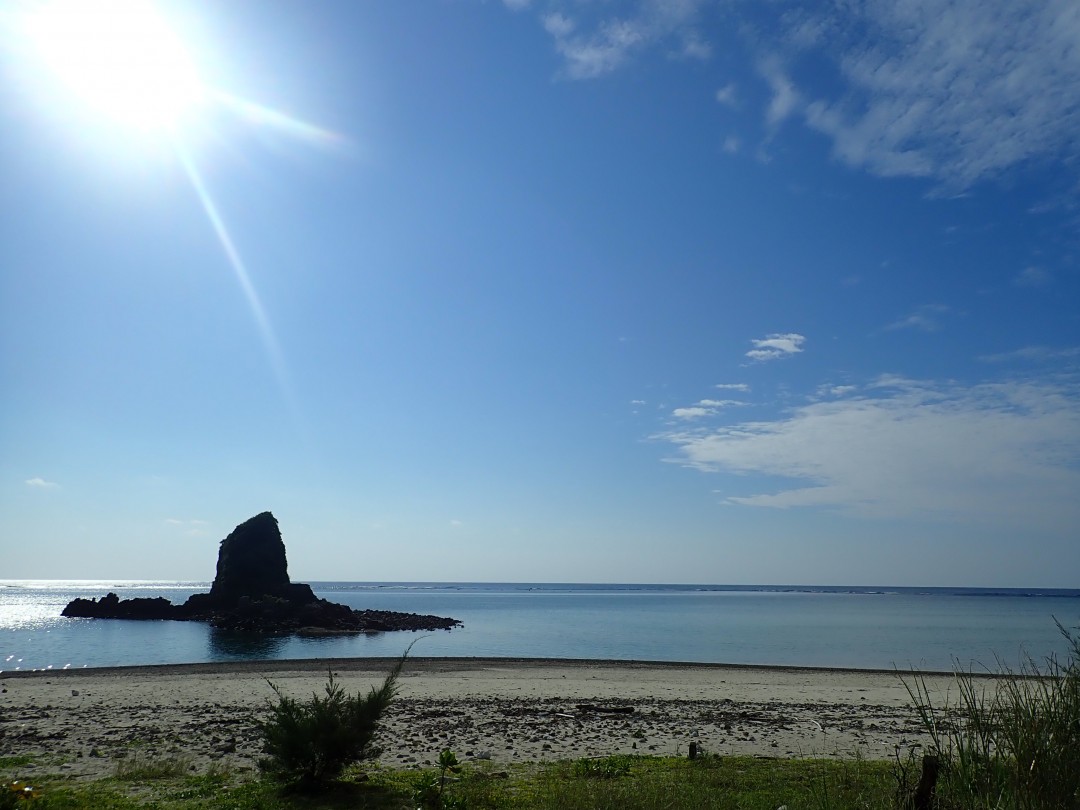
(140,767)
(614,782)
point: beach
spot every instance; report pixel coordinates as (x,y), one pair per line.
(503,711)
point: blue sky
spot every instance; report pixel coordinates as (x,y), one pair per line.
(552,290)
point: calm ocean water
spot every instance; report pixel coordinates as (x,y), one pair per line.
(866,628)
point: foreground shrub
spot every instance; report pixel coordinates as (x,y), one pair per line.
(310,743)
(1018,747)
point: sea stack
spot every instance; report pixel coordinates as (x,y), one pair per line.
(251,560)
(252,592)
(251,564)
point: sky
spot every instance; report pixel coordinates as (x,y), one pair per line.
(681,291)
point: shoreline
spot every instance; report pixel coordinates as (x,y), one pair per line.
(449,663)
(503,711)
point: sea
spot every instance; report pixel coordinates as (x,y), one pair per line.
(929,629)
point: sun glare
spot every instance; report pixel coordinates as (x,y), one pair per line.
(120,58)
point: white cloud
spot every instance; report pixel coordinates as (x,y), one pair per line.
(638,402)
(959,90)
(836,390)
(1035,354)
(558,25)
(732,387)
(589,57)
(41,483)
(692,413)
(954,90)
(694,47)
(991,453)
(1032,277)
(785,99)
(706,407)
(776,346)
(926,318)
(726,95)
(601,46)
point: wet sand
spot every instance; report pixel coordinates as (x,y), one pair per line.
(80,722)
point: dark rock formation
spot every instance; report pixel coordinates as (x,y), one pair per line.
(252,593)
(252,563)
(113,607)
(251,567)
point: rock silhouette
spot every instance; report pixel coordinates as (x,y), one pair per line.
(252,592)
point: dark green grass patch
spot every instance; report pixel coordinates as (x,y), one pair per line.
(715,782)
(622,782)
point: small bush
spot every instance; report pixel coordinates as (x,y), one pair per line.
(310,743)
(431,793)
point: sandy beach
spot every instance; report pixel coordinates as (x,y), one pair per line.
(79,722)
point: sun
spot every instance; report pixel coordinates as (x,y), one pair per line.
(120,58)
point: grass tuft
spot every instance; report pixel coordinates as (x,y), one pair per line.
(1016,746)
(138,768)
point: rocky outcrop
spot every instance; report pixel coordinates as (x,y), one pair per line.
(112,606)
(252,592)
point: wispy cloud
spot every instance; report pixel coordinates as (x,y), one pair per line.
(693,46)
(706,407)
(987,453)
(953,90)
(785,98)
(830,390)
(958,90)
(1032,277)
(732,387)
(726,95)
(597,46)
(926,318)
(776,346)
(41,483)
(1033,354)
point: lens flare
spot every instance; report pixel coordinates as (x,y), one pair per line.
(266,331)
(119,58)
(122,61)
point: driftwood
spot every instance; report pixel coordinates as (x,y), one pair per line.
(589,707)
